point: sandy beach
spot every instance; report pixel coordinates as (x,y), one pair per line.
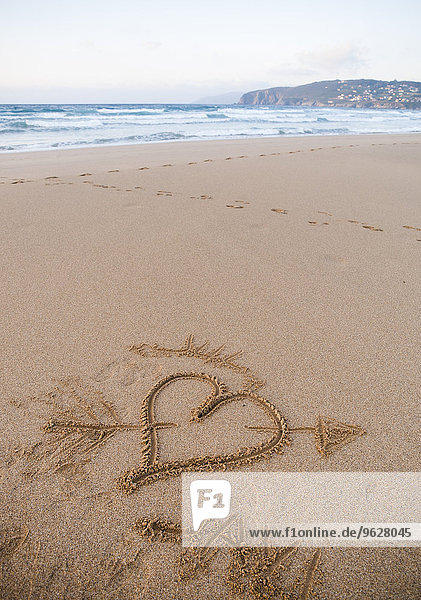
(302,255)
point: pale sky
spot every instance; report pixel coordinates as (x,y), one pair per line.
(142,51)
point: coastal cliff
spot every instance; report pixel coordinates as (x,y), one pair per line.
(349,93)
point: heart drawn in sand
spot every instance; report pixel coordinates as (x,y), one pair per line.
(150,471)
(83,420)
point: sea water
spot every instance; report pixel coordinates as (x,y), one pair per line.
(25,127)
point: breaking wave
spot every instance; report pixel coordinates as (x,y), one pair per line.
(43,127)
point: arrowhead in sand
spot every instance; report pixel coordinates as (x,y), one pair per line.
(331,434)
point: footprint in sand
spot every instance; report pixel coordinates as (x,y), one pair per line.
(143,169)
(411,227)
(242,156)
(229,158)
(352,221)
(167,165)
(281,211)
(234,206)
(322,212)
(192,163)
(114,171)
(163,193)
(208,160)
(371,227)
(262,154)
(85,174)
(51,177)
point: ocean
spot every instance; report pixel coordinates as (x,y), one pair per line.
(25,127)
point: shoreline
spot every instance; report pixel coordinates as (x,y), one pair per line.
(221,140)
(214,140)
(13,163)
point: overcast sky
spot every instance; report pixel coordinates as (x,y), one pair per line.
(181,50)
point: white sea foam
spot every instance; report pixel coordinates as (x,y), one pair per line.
(42,127)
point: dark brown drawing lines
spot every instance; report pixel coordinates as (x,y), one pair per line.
(311,576)
(150,471)
(83,420)
(217,357)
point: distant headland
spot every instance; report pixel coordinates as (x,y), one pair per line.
(349,93)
